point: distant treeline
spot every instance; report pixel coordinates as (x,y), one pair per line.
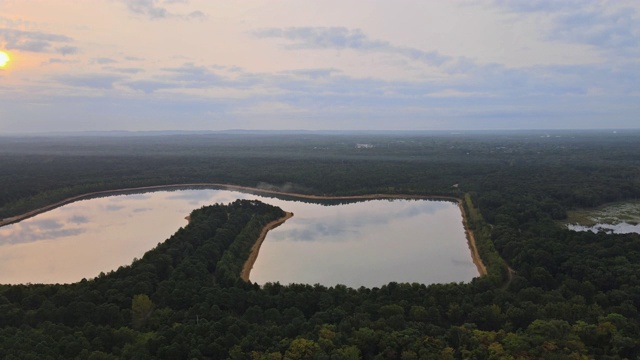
(586,169)
(573,295)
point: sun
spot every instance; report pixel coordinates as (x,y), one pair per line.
(4,59)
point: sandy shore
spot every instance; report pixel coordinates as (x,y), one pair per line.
(471,240)
(255,249)
(477,260)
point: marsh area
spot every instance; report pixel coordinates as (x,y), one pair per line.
(618,218)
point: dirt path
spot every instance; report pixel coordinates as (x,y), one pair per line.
(477,260)
(511,272)
(471,240)
(255,249)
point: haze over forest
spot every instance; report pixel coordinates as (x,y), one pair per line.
(325,65)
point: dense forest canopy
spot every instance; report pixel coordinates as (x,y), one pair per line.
(550,292)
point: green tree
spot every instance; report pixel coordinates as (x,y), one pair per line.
(301,349)
(141,309)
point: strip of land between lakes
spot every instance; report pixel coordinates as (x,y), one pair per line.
(475,255)
(471,240)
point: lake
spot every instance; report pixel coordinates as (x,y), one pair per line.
(356,243)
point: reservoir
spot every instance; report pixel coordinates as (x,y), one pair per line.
(351,242)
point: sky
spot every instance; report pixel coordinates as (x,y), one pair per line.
(138,65)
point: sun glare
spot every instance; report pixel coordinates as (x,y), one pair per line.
(4,59)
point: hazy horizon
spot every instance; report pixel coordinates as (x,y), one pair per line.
(127,133)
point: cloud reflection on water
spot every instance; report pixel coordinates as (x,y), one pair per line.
(114,207)
(342,225)
(357,242)
(49,231)
(78,219)
(316,232)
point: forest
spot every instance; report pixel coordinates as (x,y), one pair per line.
(550,293)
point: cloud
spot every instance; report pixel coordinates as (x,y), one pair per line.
(67,50)
(60,61)
(456,93)
(619,30)
(341,38)
(150,86)
(323,38)
(540,5)
(156,9)
(33,41)
(197,15)
(147,8)
(103,61)
(360,80)
(192,74)
(331,93)
(315,74)
(127,70)
(610,26)
(188,76)
(94,81)
(497,98)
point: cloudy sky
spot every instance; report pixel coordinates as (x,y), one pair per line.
(318,64)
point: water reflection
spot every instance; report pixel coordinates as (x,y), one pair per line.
(366,243)
(78,219)
(620,228)
(46,230)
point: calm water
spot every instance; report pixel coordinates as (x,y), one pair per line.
(367,243)
(620,228)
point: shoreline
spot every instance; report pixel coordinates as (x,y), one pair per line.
(255,249)
(471,241)
(91,195)
(475,255)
